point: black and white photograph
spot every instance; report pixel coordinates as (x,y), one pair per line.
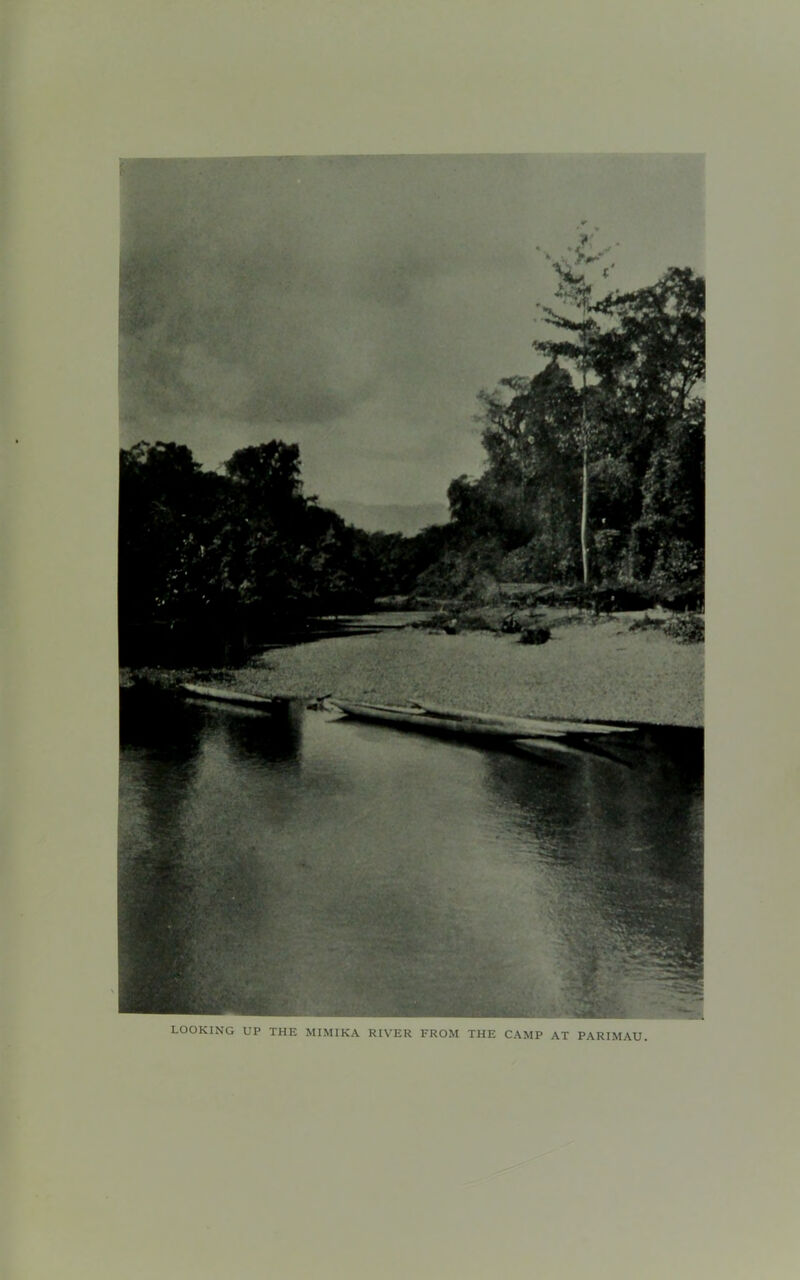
(412,586)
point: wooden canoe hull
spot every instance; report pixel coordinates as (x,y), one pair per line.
(526,726)
(553,744)
(214,694)
(448,726)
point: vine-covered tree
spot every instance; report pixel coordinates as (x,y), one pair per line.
(651,364)
(530,478)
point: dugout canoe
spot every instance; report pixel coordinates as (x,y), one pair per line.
(526,726)
(425,722)
(215,694)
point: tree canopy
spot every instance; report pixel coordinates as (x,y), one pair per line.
(624,424)
(237,550)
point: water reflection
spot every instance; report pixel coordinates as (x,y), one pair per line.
(298,865)
(624,908)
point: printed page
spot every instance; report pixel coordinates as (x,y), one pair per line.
(437,922)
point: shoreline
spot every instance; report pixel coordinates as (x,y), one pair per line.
(591,671)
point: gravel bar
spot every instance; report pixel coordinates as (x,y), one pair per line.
(599,671)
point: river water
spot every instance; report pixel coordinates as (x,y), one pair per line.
(303,865)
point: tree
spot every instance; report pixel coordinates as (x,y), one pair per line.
(162,502)
(266,480)
(651,364)
(655,353)
(578,274)
(529,487)
(229,554)
(637,415)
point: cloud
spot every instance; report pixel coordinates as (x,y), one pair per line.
(270,290)
(357,304)
(263,353)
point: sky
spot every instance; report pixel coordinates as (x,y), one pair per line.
(356,305)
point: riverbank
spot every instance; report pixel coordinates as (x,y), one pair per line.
(598,670)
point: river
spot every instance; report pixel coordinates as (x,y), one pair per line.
(304,865)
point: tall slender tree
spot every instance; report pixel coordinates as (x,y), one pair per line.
(578,274)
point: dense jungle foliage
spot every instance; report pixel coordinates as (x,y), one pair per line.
(641,422)
(594,472)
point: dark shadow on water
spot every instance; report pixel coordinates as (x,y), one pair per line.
(172,725)
(170,744)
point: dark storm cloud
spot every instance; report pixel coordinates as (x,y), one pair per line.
(260,292)
(361,300)
(244,344)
